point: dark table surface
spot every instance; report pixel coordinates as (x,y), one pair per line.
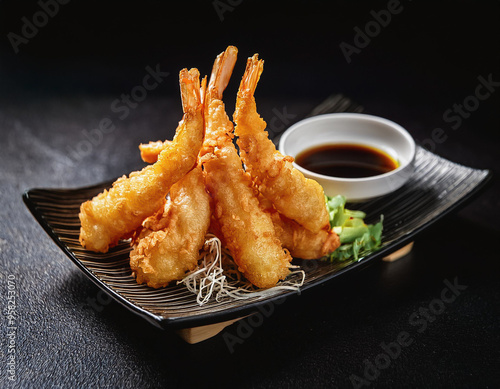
(426,60)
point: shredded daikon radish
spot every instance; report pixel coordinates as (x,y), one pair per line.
(218,277)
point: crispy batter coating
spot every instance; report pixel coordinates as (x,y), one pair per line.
(301,242)
(264,215)
(247,230)
(298,198)
(114,214)
(170,241)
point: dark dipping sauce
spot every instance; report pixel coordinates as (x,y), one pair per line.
(346,161)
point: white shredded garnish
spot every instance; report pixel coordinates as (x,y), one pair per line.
(218,277)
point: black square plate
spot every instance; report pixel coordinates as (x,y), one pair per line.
(437,187)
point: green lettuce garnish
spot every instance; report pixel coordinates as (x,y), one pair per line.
(357,239)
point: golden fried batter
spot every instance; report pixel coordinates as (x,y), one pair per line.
(113,214)
(247,230)
(301,242)
(264,215)
(298,198)
(170,242)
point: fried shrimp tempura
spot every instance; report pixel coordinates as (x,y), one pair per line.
(298,198)
(170,242)
(301,242)
(114,214)
(247,230)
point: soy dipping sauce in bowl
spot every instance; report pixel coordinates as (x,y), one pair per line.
(346,160)
(356,155)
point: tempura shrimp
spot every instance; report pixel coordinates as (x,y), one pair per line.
(114,214)
(293,195)
(301,242)
(247,230)
(169,243)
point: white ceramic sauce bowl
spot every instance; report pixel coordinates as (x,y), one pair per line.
(353,128)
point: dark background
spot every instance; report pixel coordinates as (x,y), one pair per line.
(61,82)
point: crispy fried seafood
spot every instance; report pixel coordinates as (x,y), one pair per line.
(114,214)
(170,241)
(298,198)
(264,212)
(247,230)
(301,242)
